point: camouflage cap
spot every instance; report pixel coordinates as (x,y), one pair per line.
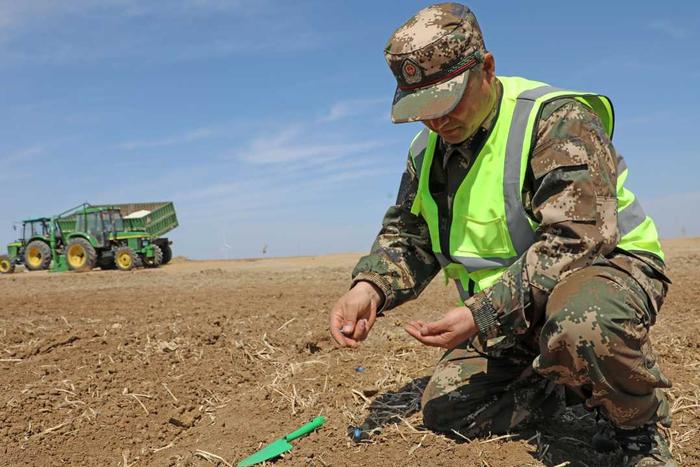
(430,56)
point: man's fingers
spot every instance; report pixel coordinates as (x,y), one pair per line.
(342,330)
(418,325)
(447,332)
(336,322)
(353,331)
(361,330)
(431,334)
(426,339)
(429,329)
(352,318)
(341,339)
(432,341)
(338,336)
(417,329)
(436,327)
(349,334)
(348,327)
(411,329)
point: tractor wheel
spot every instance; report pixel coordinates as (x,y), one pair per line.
(167,253)
(157,259)
(80,255)
(7,266)
(37,256)
(125,258)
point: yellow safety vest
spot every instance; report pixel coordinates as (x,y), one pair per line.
(490,228)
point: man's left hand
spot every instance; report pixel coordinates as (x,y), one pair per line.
(453,329)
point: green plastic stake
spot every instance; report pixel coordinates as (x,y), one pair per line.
(281,445)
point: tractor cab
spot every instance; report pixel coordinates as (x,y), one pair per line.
(113,218)
(35,229)
(100,223)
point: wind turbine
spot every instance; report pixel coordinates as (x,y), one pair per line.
(226,247)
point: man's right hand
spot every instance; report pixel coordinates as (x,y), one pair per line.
(354,314)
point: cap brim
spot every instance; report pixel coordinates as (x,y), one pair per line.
(431,102)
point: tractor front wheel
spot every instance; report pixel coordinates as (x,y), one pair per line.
(37,256)
(7,266)
(124,258)
(157,259)
(80,255)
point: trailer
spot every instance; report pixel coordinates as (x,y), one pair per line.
(155,218)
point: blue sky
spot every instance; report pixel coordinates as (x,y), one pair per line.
(267,122)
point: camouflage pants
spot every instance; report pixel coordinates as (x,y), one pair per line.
(592,342)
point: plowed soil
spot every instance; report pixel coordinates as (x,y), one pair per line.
(204,362)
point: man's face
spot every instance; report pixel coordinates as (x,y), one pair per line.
(470,112)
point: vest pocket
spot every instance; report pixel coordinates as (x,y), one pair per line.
(484,238)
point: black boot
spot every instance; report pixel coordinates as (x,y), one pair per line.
(645,446)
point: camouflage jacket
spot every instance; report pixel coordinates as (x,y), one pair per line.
(570,190)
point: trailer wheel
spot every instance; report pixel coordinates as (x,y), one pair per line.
(125,258)
(157,259)
(37,256)
(80,255)
(7,266)
(167,253)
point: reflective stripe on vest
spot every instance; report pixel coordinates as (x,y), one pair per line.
(630,216)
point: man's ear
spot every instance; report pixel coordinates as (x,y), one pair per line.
(489,67)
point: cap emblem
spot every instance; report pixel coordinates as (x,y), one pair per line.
(412,74)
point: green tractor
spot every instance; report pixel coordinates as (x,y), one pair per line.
(98,236)
(120,236)
(34,248)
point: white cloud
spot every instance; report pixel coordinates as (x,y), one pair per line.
(185,138)
(18,13)
(349,108)
(364,174)
(95,30)
(240,6)
(302,40)
(274,172)
(214,191)
(260,191)
(265,198)
(670,29)
(298,143)
(21,155)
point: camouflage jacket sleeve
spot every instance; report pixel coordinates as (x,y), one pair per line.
(570,191)
(401,262)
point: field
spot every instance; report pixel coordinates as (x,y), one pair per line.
(203,362)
